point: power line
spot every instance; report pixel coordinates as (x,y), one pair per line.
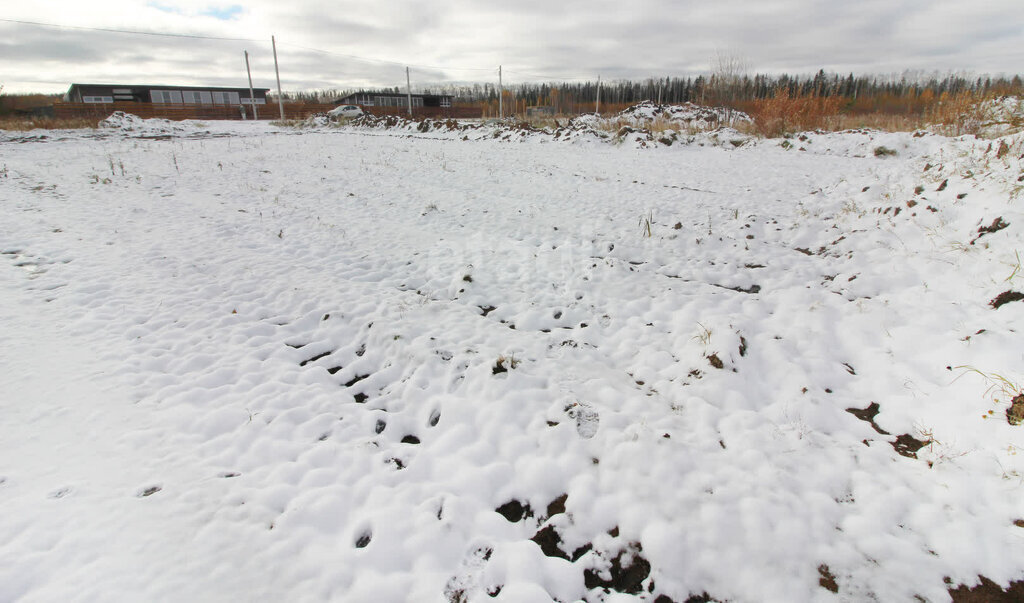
(130,31)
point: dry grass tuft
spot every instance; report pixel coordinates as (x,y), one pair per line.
(24,124)
(970,113)
(950,114)
(785,113)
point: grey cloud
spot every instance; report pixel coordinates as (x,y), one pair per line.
(569,39)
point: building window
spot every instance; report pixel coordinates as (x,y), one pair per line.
(205,97)
(191,97)
(226,98)
(396,101)
(446,101)
(97,99)
(165,96)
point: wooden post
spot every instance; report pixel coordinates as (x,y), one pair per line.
(597,105)
(501,93)
(280,102)
(252,97)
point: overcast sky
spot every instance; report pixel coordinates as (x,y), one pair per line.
(366,43)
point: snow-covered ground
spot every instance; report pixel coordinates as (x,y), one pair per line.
(249,363)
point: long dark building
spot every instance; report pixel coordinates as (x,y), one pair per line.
(389,99)
(188,95)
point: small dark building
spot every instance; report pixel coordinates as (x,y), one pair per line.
(391,99)
(188,95)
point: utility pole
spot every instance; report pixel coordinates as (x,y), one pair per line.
(597,105)
(252,97)
(280,102)
(501,93)
(408,90)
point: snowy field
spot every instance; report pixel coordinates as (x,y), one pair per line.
(250,363)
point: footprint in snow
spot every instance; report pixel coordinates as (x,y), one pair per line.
(364,539)
(587,419)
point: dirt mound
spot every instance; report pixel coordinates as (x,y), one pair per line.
(126,122)
(687,115)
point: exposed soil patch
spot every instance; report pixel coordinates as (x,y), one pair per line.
(827,580)
(868,414)
(514,511)
(548,540)
(701,598)
(715,361)
(557,506)
(315,358)
(907,445)
(1015,414)
(503,364)
(751,289)
(581,551)
(1006,297)
(988,592)
(996,225)
(628,571)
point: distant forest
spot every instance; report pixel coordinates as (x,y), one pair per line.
(737,88)
(721,89)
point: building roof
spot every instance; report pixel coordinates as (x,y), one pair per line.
(165,87)
(401,94)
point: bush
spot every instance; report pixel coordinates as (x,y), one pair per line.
(785,114)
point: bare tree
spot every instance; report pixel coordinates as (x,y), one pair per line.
(727,72)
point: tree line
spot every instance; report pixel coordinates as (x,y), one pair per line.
(723,88)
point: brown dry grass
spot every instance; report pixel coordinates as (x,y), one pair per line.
(784,113)
(24,124)
(951,114)
(967,113)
